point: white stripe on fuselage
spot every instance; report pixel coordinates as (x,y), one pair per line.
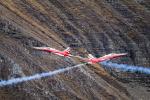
(59,54)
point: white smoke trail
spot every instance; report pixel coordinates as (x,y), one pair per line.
(36,76)
(125,67)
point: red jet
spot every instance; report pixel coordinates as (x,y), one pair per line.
(92,60)
(65,53)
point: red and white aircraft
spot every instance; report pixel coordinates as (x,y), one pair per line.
(65,53)
(92,60)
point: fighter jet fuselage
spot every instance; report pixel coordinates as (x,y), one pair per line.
(91,59)
(57,52)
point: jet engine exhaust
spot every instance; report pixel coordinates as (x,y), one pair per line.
(127,68)
(36,76)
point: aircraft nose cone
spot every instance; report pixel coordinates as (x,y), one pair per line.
(36,48)
(39,48)
(123,54)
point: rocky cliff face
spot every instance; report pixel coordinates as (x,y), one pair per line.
(98,27)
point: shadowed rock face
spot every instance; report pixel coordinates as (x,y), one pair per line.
(98,27)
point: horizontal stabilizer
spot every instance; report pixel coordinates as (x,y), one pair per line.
(90,56)
(67,50)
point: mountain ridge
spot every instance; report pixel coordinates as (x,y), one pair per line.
(87,26)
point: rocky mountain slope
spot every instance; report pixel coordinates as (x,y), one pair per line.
(98,27)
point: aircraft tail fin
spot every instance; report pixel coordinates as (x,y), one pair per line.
(67,50)
(90,56)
